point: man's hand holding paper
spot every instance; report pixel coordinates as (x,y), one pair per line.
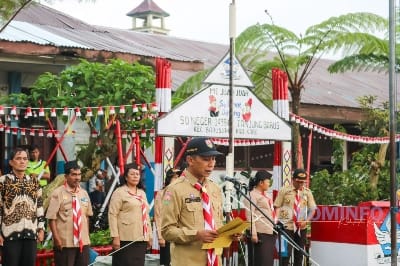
(226,233)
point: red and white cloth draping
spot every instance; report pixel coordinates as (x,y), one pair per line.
(271,206)
(296,212)
(209,223)
(144,213)
(76,216)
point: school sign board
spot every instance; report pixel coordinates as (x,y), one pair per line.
(206,114)
(221,73)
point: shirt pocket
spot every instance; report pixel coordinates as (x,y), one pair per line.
(84,205)
(65,211)
(193,215)
(288,200)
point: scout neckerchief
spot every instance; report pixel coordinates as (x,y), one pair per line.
(271,206)
(209,223)
(76,216)
(144,213)
(296,212)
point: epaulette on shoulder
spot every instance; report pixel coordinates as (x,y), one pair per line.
(177,181)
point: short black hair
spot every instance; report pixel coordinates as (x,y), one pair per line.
(71,165)
(129,166)
(170,174)
(260,176)
(15,151)
(33,147)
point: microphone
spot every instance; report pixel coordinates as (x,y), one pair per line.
(234,180)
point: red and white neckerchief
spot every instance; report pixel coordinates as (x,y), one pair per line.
(296,212)
(76,217)
(144,213)
(271,206)
(209,223)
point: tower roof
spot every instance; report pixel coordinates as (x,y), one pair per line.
(147,7)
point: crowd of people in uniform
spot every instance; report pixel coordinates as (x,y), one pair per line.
(187,213)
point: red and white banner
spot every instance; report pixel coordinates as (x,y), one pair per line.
(352,235)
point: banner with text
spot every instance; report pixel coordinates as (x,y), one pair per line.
(207,114)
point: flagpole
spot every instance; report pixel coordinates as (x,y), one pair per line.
(231,149)
(392,133)
(230,157)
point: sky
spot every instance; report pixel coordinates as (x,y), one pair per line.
(208,20)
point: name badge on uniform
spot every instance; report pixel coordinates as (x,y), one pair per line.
(189,200)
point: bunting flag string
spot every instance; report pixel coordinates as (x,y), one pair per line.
(339,135)
(11,112)
(53,133)
(89,111)
(242,142)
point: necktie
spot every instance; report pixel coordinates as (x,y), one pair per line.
(209,223)
(77,219)
(296,212)
(144,213)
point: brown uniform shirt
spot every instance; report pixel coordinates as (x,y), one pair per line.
(60,209)
(157,212)
(285,201)
(125,216)
(183,217)
(260,224)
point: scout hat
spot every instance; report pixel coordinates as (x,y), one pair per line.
(202,147)
(300,174)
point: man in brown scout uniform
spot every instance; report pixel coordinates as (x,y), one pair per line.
(68,213)
(184,221)
(295,206)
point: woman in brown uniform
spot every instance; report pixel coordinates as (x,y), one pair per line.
(128,216)
(262,244)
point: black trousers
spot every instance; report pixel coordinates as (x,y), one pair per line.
(72,257)
(301,241)
(132,255)
(165,255)
(262,253)
(20,252)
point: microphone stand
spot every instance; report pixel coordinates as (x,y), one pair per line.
(277,227)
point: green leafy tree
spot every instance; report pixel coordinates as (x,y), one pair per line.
(370,53)
(94,84)
(368,175)
(260,48)
(269,46)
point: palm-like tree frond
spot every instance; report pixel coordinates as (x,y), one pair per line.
(352,22)
(361,62)
(191,85)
